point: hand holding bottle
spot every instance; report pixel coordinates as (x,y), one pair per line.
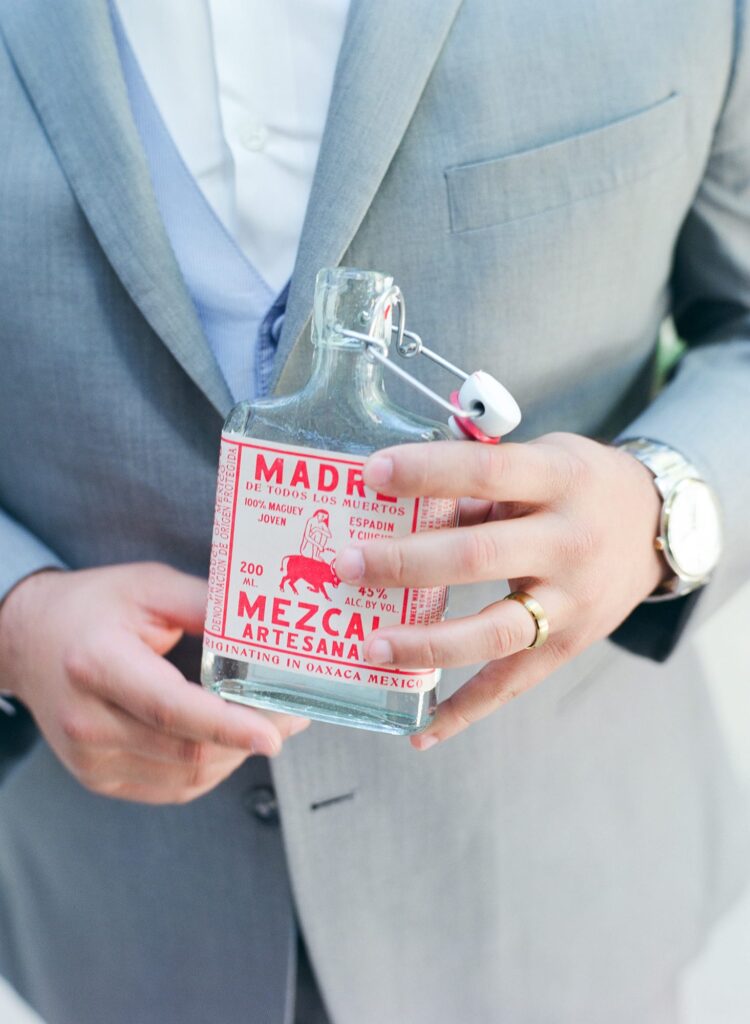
(568,519)
(84,652)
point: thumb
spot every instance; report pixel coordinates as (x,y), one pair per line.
(174,601)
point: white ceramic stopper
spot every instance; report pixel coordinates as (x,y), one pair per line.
(501,413)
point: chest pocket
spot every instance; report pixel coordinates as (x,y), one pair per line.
(491,192)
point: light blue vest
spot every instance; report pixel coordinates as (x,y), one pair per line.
(240,316)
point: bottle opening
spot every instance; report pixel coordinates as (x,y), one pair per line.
(349,299)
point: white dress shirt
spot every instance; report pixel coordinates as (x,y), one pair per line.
(243,87)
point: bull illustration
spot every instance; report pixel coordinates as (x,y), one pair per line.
(315,573)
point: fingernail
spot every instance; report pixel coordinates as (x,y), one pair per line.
(350,565)
(378,471)
(379,652)
(425,742)
(298,725)
(268,748)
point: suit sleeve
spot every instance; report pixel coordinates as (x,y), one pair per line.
(21,553)
(704,410)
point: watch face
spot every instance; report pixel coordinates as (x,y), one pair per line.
(692,528)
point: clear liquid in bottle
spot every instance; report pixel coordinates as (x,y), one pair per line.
(282,631)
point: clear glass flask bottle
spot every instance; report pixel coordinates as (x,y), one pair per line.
(282,631)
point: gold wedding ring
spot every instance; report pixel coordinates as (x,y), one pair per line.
(536,611)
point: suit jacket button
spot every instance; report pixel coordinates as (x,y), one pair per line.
(261,802)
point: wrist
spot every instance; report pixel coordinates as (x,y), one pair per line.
(688,535)
(647,513)
(16,611)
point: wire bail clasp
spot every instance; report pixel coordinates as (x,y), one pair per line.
(481,409)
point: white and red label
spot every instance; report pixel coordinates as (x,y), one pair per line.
(274,597)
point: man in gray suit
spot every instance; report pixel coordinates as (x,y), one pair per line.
(546,182)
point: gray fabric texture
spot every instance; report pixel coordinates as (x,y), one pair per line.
(546,182)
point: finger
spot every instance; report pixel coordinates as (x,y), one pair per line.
(135,736)
(489,551)
(287,724)
(499,631)
(120,731)
(534,472)
(155,692)
(102,728)
(106,736)
(144,794)
(128,769)
(162,794)
(472,511)
(493,686)
(175,598)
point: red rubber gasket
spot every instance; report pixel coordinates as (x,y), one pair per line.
(469,427)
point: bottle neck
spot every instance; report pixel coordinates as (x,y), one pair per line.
(343,374)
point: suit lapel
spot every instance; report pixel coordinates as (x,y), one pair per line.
(66,55)
(387,54)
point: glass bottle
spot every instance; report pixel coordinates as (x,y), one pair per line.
(282,632)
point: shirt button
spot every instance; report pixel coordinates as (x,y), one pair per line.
(253,136)
(261,802)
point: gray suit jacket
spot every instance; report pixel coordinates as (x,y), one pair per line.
(546,181)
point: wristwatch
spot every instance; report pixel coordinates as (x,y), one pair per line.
(689,535)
